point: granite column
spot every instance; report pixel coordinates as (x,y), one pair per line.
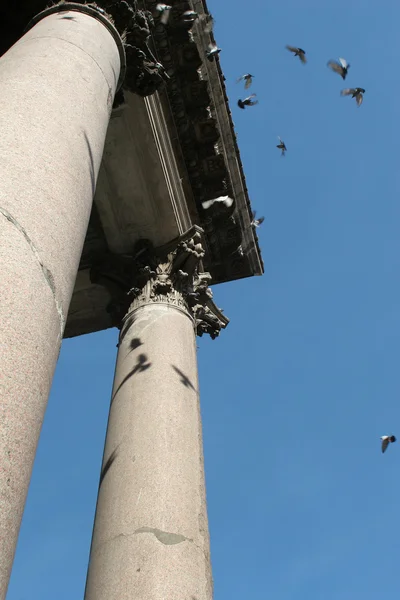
(57,89)
(150,539)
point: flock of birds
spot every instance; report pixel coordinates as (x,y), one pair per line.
(207,23)
(341,67)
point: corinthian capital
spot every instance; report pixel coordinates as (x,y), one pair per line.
(171,274)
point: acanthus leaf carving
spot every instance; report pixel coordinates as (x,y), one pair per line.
(170,275)
(144,73)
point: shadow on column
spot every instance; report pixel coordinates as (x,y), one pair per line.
(135,343)
(184,378)
(108,464)
(91,163)
(141,365)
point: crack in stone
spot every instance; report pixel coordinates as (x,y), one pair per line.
(46,272)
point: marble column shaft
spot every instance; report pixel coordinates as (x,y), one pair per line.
(150,539)
(57,87)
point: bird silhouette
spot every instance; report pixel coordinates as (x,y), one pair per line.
(281,146)
(298,52)
(340,67)
(226,200)
(356,93)
(256,222)
(248,80)
(207,22)
(386,440)
(247,101)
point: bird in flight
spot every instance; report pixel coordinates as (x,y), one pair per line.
(247,101)
(248,80)
(163,10)
(281,146)
(356,93)
(256,222)
(223,199)
(298,52)
(212,52)
(386,440)
(340,67)
(207,21)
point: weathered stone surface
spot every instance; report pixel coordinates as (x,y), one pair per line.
(150,537)
(57,88)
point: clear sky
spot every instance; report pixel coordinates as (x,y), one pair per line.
(298,389)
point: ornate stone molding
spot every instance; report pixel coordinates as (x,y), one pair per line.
(144,73)
(171,275)
(141,72)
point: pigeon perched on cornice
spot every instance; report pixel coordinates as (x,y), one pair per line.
(298,52)
(212,52)
(281,146)
(386,440)
(163,10)
(247,78)
(340,67)
(190,15)
(256,222)
(224,199)
(247,101)
(356,93)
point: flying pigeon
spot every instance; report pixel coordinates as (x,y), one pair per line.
(247,101)
(356,93)
(386,440)
(248,80)
(224,199)
(163,9)
(256,222)
(212,52)
(281,146)
(340,67)
(207,22)
(298,52)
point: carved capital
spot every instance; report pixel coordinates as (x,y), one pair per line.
(144,74)
(172,275)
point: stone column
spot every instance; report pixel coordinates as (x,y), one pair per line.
(57,88)
(150,539)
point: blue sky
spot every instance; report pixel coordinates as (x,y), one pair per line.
(298,389)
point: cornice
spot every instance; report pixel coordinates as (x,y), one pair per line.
(196,96)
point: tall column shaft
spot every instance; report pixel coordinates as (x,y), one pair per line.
(150,539)
(57,87)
